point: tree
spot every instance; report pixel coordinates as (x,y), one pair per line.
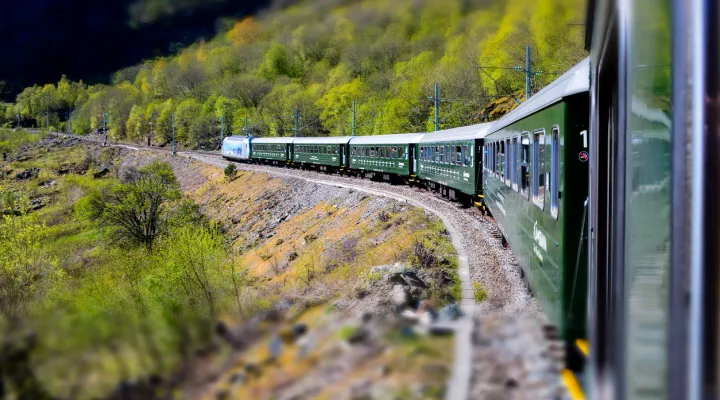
(135,211)
(23,262)
(136,123)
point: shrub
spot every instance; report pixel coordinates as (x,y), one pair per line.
(480,293)
(230,172)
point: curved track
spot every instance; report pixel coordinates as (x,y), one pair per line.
(481,256)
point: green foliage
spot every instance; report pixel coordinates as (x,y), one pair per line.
(480,292)
(135,211)
(230,172)
(10,140)
(319,58)
(25,269)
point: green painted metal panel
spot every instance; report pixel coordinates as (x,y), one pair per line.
(458,171)
(270,151)
(319,154)
(545,244)
(393,159)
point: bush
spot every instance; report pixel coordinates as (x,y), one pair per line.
(230,172)
(480,293)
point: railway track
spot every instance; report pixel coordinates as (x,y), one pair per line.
(481,255)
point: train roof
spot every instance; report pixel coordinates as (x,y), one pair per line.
(400,138)
(261,140)
(576,80)
(323,140)
(477,131)
(237,138)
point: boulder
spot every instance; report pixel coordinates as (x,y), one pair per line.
(400,295)
(27,174)
(412,279)
(450,312)
(102,172)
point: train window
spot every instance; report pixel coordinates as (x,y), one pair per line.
(524,167)
(458,155)
(514,164)
(354,151)
(402,153)
(508,162)
(394,152)
(442,154)
(554,180)
(538,169)
(466,155)
(384,152)
(501,167)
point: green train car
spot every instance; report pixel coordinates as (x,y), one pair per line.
(536,186)
(448,161)
(273,150)
(323,153)
(384,157)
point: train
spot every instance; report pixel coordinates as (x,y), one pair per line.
(604,185)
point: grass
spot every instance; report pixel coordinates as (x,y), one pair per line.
(480,292)
(10,140)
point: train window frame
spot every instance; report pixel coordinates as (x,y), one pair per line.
(524,178)
(516,150)
(501,164)
(539,168)
(508,162)
(555,172)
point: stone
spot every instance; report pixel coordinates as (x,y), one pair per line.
(102,172)
(412,279)
(400,295)
(358,336)
(27,174)
(418,293)
(450,312)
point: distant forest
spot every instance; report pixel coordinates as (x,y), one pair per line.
(319,57)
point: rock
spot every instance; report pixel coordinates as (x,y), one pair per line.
(411,278)
(238,378)
(400,295)
(102,172)
(395,279)
(397,268)
(418,293)
(450,312)
(253,369)
(27,174)
(358,336)
(299,330)
(63,170)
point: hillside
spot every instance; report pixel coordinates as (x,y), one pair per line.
(318,57)
(88,311)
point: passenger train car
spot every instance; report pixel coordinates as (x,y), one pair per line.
(536,186)
(449,161)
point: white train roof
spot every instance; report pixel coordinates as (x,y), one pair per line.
(237,138)
(477,131)
(274,140)
(400,138)
(323,140)
(575,80)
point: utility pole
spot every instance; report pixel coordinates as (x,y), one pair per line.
(297,121)
(436,99)
(173,133)
(18,119)
(528,74)
(47,119)
(245,125)
(105,127)
(437,107)
(354,125)
(152,132)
